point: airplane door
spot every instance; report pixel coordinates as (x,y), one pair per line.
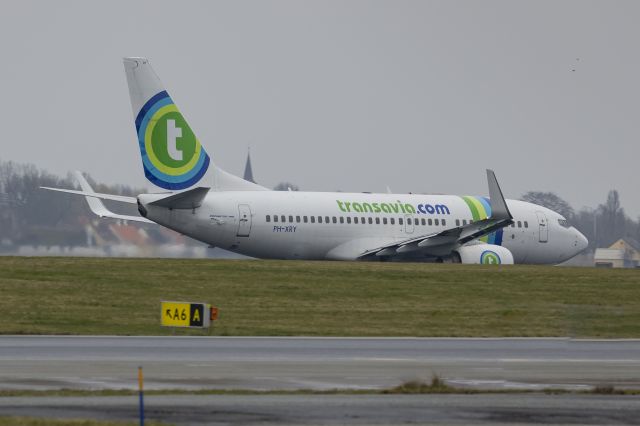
(543,227)
(244,220)
(408,224)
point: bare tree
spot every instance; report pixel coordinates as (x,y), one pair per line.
(286,186)
(613,218)
(551,201)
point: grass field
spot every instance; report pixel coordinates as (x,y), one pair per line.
(122,296)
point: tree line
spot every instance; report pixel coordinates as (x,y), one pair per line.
(30,215)
(602,225)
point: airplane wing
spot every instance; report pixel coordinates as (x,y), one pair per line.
(442,243)
(96,205)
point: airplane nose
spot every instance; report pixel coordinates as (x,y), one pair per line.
(581,241)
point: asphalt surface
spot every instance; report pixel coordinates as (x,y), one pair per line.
(340,409)
(54,362)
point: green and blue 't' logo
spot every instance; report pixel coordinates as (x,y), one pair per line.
(489,257)
(172,156)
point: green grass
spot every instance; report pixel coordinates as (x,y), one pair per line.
(265,298)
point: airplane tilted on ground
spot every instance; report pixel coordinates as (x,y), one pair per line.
(198,199)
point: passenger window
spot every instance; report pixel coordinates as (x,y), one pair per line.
(326,219)
(313,219)
(319,219)
(377,221)
(283,219)
(305,219)
(341,219)
(275,218)
(457,222)
(370,221)
(392,221)
(424,222)
(430,221)
(291,219)
(519,224)
(268,218)
(335,219)
(298,219)
(363,220)
(355,219)
(399,221)
(526,224)
(348,219)
(437,222)
(384,220)
(444,222)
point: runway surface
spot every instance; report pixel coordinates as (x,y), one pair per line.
(340,409)
(38,362)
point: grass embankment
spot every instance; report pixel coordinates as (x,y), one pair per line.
(122,296)
(412,387)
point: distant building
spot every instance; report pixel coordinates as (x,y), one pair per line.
(624,253)
(248,172)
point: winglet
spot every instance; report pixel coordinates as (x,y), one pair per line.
(94,200)
(499,209)
(95,204)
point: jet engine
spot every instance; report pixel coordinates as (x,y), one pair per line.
(486,254)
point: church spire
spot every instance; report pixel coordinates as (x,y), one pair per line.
(248,172)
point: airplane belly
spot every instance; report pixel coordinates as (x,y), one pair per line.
(518,248)
(287,243)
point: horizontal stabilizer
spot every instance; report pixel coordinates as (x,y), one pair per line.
(96,205)
(119,198)
(190,199)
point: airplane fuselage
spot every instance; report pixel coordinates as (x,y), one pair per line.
(341,226)
(204,202)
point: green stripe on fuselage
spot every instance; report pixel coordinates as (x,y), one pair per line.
(477,211)
(472,207)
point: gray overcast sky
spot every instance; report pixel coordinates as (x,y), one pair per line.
(353,95)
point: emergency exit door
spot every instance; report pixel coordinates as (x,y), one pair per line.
(244,220)
(543,227)
(408,224)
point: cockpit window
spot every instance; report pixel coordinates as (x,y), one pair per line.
(564,223)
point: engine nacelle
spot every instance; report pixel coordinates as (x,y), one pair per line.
(486,254)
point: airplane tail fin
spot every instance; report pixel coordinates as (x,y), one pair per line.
(172,156)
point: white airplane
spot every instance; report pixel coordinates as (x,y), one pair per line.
(200,200)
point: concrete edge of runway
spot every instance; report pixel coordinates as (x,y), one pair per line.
(111,336)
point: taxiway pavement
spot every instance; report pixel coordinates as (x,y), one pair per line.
(266,363)
(483,409)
